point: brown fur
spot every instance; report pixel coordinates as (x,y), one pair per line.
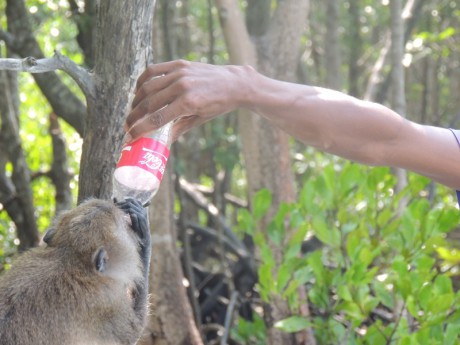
(54,294)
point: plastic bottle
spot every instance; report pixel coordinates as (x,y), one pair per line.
(141,166)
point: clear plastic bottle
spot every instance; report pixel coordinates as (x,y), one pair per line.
(141,166)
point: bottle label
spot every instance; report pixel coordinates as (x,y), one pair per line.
(145,153)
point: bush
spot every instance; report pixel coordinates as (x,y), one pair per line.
(384,272)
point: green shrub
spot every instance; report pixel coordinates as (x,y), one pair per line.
(383,275)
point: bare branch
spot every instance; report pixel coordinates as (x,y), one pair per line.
(229,317)
(60,173)
(58,62)
(6,37)
(15,194)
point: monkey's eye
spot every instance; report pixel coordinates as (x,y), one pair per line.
(100,260)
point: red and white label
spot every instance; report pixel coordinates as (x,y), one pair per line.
(147,154)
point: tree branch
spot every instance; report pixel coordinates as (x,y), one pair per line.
(6,37)
(229,317)
(60,174)
(62,100)
(210,208)
(16,195)
(58,62)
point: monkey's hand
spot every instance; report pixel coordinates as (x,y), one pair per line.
(139,223)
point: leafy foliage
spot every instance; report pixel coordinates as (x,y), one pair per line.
(379,278)
(383,276)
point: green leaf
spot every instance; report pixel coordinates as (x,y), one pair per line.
(424,295)
(452,256)
(285,273)
(295,242)
(265,281)
(384,217)
(293,324)
(412,306)
(400,266)
(449,32)
(266,255)
(329,176)
(352,310)
(316,264)
(324,191)
(443,285)
(366,256)
(343,291)
(353,244)
(303,274)
(261,202)
(374,335)
(404,286)
(440,303)
(425,263)
(246,221)
(298,235)
(369,303)
(329,236)
(383,294)
(349,177)
(451,336)
(276,233)
(307,196)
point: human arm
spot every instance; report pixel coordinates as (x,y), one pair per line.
(329,120)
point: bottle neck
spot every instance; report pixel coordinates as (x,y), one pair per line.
(162,134)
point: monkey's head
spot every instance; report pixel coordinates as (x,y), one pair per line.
(96,238)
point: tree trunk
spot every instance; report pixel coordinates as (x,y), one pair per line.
(60,174)
(377,86)
(171,320)
(15,192)
(332,46)
(118,63)
(355,49)
(265,148)
(398,89)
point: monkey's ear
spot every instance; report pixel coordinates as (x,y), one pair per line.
(49,235)
(100,259)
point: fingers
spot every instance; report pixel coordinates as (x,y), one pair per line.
(159,70)
(137,214)
(151,87)
(149,99)
(153,121)
(165,91)
(156,90)
(130,204)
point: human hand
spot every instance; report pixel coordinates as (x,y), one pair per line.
(189,92)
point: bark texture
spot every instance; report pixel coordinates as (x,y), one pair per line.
(274,50)
(118,63)
(171,320)
(15,192)
(398,80)
(332,46)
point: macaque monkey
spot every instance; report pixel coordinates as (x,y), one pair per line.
(87,286)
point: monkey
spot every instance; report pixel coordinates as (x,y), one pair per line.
(86,285)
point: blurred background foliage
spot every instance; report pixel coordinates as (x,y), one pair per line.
(367,246)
